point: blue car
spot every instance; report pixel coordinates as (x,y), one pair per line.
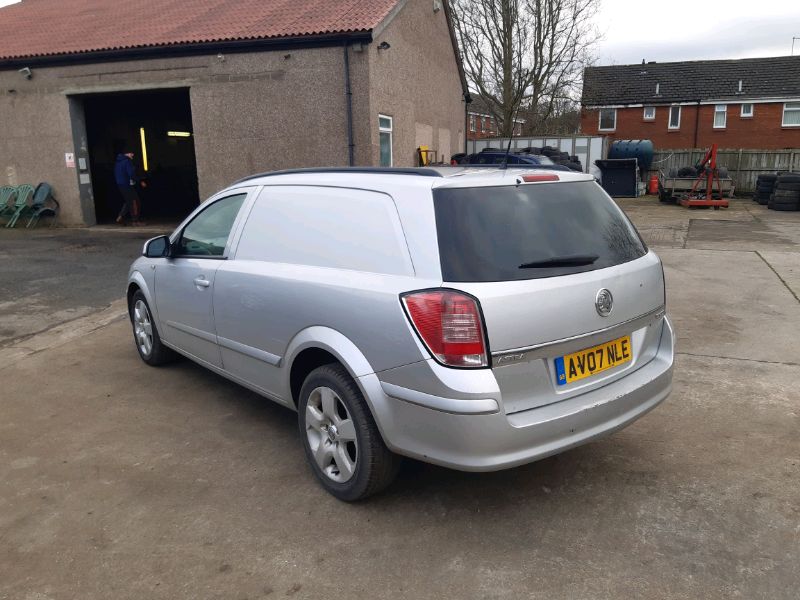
(497,158)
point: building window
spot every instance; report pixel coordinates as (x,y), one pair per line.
(747,110)
(385,137)
(720,116)
(791,114)
(649,113)
(472,123)
(674,117)
(608,119)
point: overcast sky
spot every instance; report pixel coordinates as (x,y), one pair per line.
(691,29)
(696,29)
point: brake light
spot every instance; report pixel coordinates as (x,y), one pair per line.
(535,178)
(449,324)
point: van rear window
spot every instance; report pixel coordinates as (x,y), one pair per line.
(530,231)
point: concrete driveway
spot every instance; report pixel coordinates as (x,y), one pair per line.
(122,481)
(51,276)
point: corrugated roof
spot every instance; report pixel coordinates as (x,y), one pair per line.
(37,28)
(775,77)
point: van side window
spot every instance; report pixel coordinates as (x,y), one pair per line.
(326,227)
(207,234)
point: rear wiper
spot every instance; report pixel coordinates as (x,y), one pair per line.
(569,260)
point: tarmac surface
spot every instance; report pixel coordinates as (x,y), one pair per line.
(118,480)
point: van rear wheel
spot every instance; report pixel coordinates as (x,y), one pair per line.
(340,438)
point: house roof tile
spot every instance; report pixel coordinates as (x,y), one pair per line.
(38,28)
(775,77)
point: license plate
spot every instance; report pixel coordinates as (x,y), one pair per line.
(594,360)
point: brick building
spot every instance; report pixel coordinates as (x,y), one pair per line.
(481,122)
(748,103)
(208,91)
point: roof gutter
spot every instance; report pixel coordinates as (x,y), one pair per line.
(192,49)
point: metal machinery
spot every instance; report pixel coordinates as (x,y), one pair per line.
(707,177)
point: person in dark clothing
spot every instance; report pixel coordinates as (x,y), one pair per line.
(126,179)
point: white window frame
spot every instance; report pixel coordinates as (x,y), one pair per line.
(472,123)
(652,117)
(747,115)
(669,118)
(723,110)
(795,106)
(600,120)
(391,137)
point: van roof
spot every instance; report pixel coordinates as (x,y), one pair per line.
(430,177)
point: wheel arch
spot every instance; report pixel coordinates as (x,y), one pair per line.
(316,346)
(137,282)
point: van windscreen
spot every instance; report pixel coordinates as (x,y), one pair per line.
(530,231)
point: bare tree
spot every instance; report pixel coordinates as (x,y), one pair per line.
(525,53)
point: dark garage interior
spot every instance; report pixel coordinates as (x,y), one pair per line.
(156,125)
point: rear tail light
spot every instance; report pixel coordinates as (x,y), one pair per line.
(449,324)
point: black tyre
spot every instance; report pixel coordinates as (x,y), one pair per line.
(794,187)
(786,206)
(786,194)
(687,172)
(573,166)
(340,437)
(771,177)
(722,172)
(145,333)
(672,172)
(789,178)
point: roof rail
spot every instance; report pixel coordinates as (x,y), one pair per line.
(420,171)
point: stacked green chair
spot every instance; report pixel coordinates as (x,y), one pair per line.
(8,197)
(23,204)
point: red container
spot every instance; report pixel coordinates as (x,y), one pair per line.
(652,187)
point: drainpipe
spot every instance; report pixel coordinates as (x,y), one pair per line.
(696,123)
(467,100)
(349,100)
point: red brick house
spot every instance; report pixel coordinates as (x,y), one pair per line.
(481,123)
(747,103)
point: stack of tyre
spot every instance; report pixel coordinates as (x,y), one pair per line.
(561,158)
(786,195)
(765,185)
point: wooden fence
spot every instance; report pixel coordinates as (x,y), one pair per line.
(743,166)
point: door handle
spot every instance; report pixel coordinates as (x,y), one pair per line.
(201,281)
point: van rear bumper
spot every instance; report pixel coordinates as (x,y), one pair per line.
(494,441)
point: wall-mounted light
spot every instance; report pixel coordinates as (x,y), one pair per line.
(384,46)
(144,148)
(183,134)
(26,72)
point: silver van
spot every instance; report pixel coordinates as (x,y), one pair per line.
(475,318)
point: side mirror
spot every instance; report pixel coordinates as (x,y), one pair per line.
(157,247)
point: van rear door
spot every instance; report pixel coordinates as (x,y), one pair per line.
(544,259)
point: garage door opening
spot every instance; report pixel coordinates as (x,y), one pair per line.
(156,125)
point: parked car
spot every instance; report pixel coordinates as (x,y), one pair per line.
(475,319)
(514,158)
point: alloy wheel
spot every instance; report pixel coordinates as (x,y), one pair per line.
(331,434)
(142,328)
